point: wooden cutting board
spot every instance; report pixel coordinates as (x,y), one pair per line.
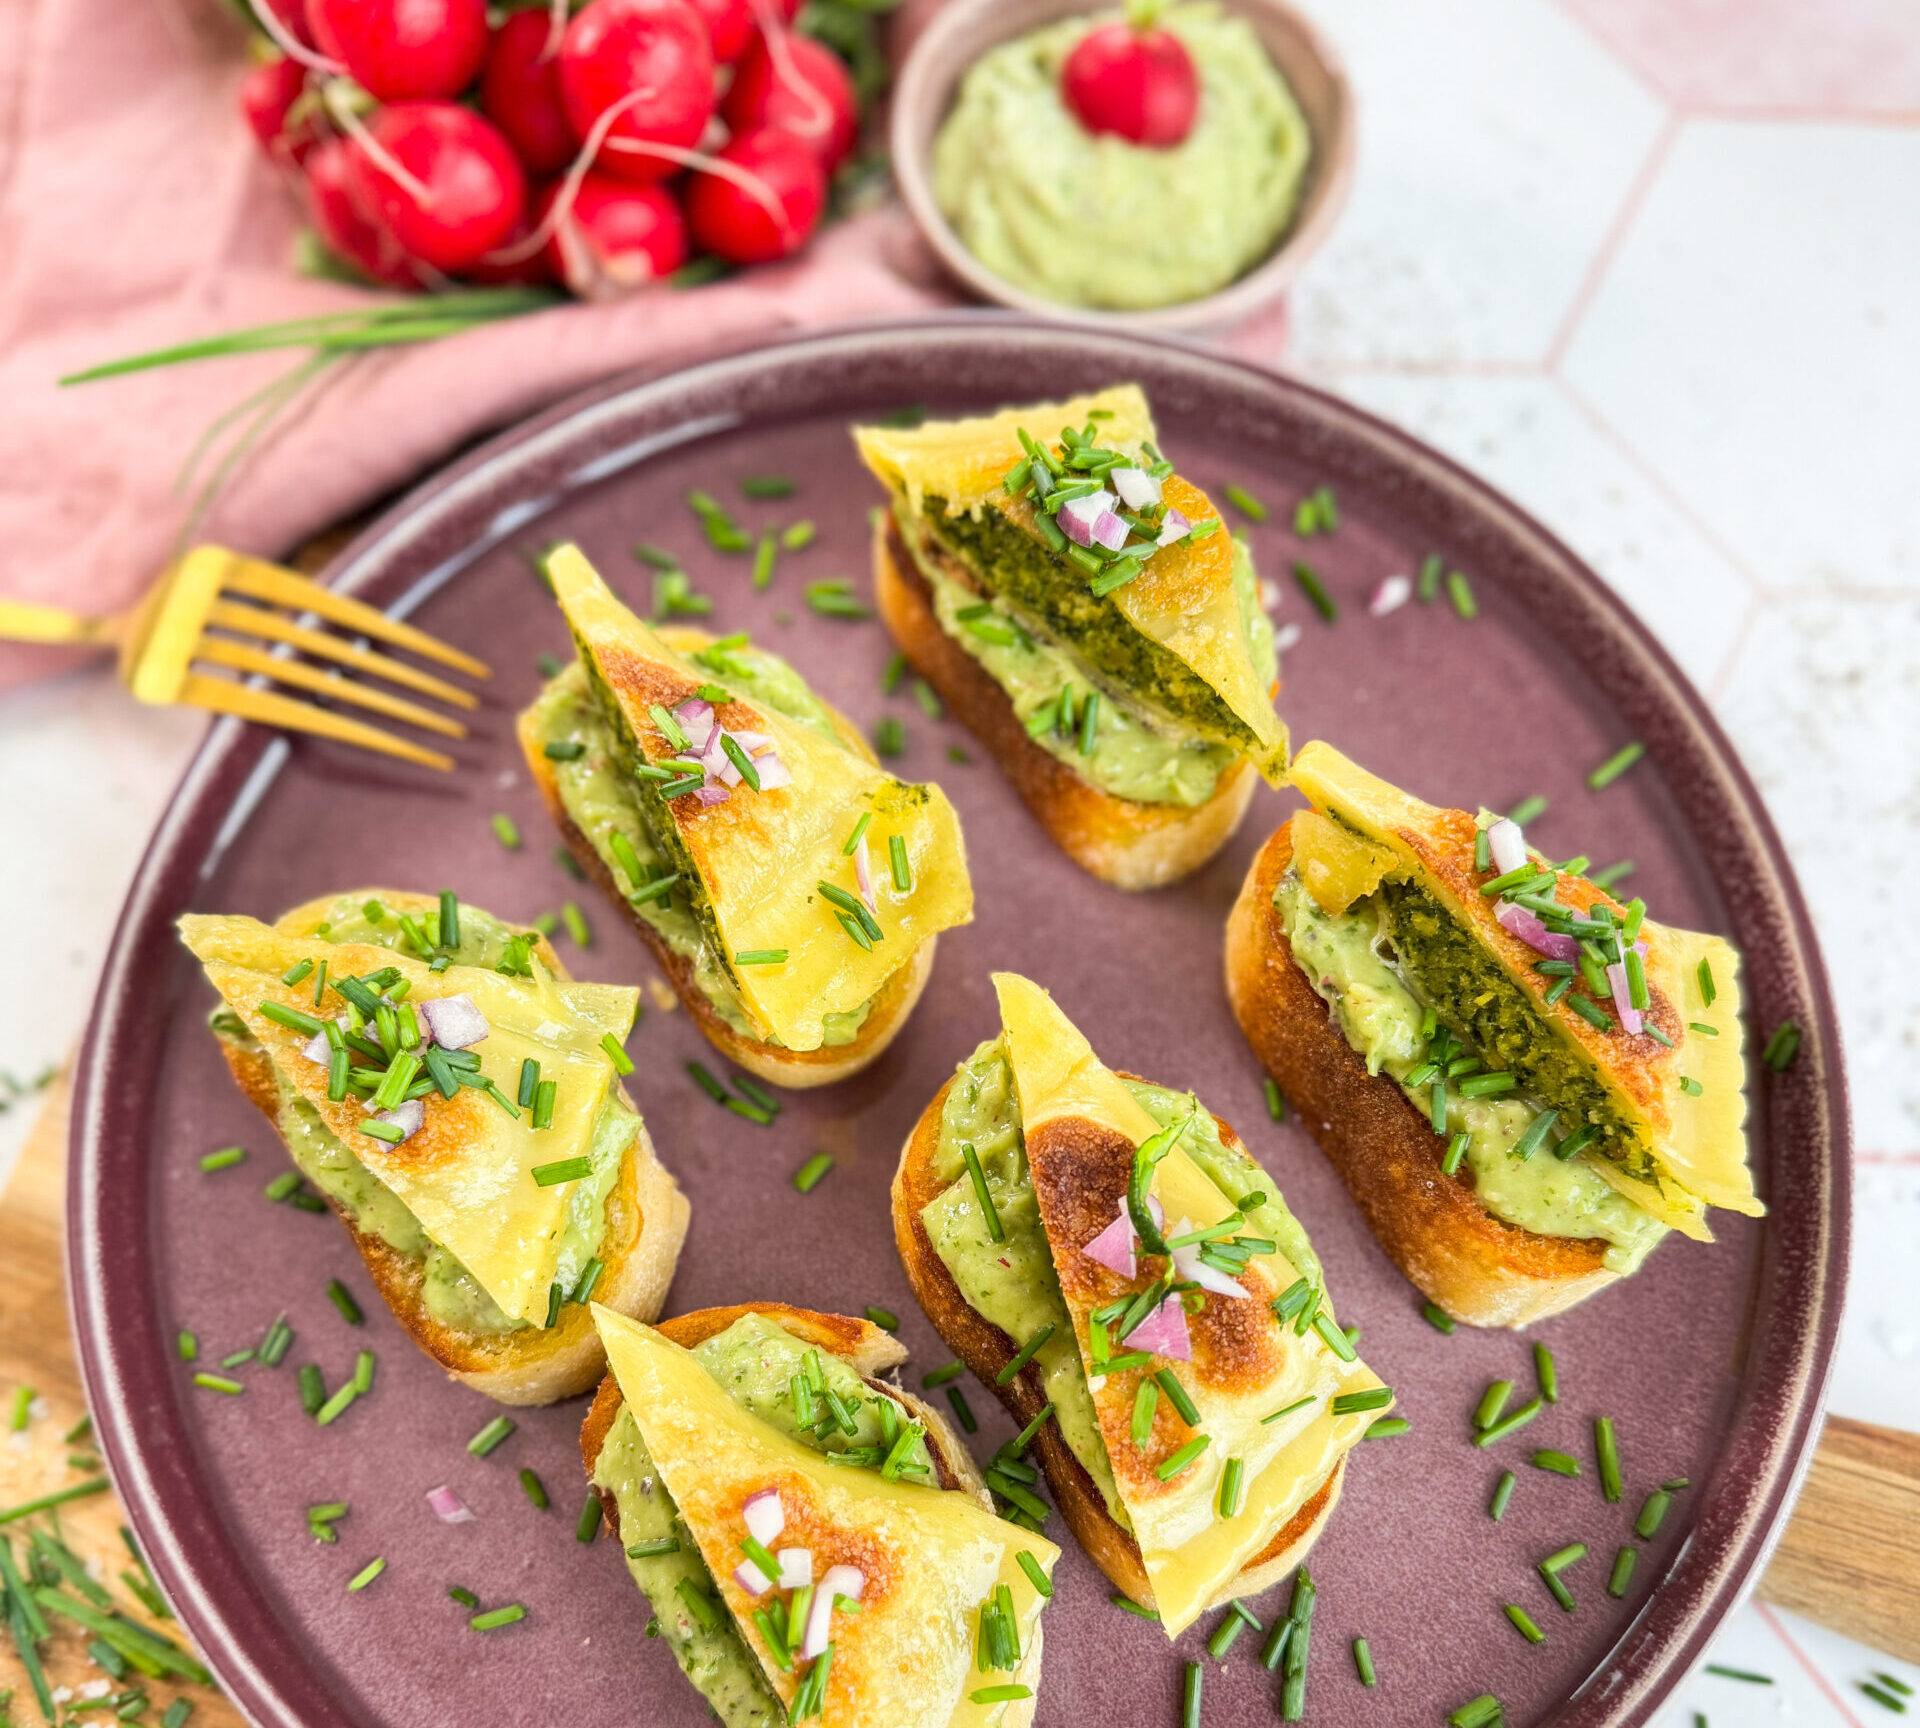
(1850,1557)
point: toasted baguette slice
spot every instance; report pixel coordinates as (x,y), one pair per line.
(646,1225)
(861,1344)
(1128,844)
(1477,1267)
(797,1070)
(986,1350)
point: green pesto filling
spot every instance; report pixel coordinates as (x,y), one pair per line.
(1013,1283)
(1051,596)
(1355,966)
(1450,968)
(449,1292)
(603,797)
(754,1361)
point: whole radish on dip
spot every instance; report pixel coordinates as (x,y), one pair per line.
(1124,160)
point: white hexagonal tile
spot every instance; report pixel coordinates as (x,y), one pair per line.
(1497,140)
(1758,339)
(1525,436)
(1824,701)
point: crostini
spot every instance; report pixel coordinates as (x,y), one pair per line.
(1109,1258)
(455,1098)
(814,1542)
(790,889)
(1082,610)
(1524,1082)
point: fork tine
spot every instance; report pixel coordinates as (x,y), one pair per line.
(261,621)
(301,676)
(223,696)
(260,581)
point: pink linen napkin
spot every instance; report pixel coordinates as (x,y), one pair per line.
(135,212)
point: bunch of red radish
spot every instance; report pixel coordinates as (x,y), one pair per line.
(600,148)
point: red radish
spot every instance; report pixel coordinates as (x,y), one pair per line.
(652,61)
(266,93)
(290,15)
(729,26)
(518,262)
(1133,79)
(759,201)
(404,50)
(441,180)
(799,85)
(520,93)
(614,236)
(343,225)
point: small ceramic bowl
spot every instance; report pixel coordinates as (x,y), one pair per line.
(963,30)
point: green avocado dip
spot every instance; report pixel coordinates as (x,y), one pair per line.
(1012,1283)
(1094,220)
(1159,734)
(603,798)
(755,1361)
(1356,962)
(449,1292)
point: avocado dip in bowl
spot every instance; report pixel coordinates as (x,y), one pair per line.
(1030,207)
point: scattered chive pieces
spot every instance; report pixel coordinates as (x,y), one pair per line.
(1523,1623)
(1169,1383)
(1707,988)
(534,1489)
(1276,1102)
(1437,1317)
(1000,1694)
(1653,1513)
(498,1617)
(587,1525)
(1315,590)
(1607,1453)
(797,536)
(1127,1605)
(885,1319)
(897,857)
(616,1054)
(1351,1403)
(1432,568)
(1245,502)
(1622,1573)
(962,1410)
(1547,1373)
(224,1159)
(1182,1459)
(490,1436)
(1024,1355)
(1363,1662)
(1228,1504)
(1190,1684)
(1502,1493)
(1492,1402)
(1894,1684)
(313,1389)
(367,1573)
(506,831)
(1881,1695)
(1745,1674)
(1559,1463)
(1224,1636)
(807,1177)
(995,1229)
(1036,1574)
(703,1078)
(936,1377)
(890,735)
(1612,873)
(576,923)
(890,676)
(1387,1427)
(1782,1047)
(1460,592)
(1481,1712)
(562,1170)
(219,1383)
(1616,765)
(1529,809)
(760,957)
(1509,1424)
(766,486)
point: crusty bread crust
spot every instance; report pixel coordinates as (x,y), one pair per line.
(797,1070)
(986,1350)
(1456,1253)
(646,1225)
(1131,845)
(863,1346)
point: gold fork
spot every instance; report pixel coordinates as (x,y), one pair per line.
(204,612)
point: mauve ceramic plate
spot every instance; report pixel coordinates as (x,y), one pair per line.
(1711,1362)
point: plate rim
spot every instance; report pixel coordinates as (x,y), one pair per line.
(1778,1408)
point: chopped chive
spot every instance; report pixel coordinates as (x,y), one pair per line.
(562,1170)
(1502,1493)
(1593,1015)
(1616,765)
(652,1547)
(1523,1623)
(589,1277)
(1245,502)
(1535,1132)
(1437,1317)
(1089,722)
(1529,809)
(1363,1662)
(534,1489)
(767,486)
(1894,1684)
(1183,1458)
(962,1410)
(576,923)
(936,1377)
(809,1173)
(1607,1453)
(897,857)
(506,831)
(1559,1463)
(1781,1048)
(1432,568)
(313,1389)
(1622,1573)
(1331,1335)
(490,1436)
(1562,1558)
(1653,1514)
(1692,1088)
(1228,1504)
(1169,1383)
(995,1229)
(891,675)
(1387,1427)
(219,1383)
(797,536)
(704,1079)
(1492,1402)
(224,1159)
(1036,1573)
(1146,1403)
(367,1573)
(1547,1373)
(1025,1354)
(1881,1695)
(1315,590)
(60,1496)
(1612,873)
(995,1694)
(1509,1424)
(890,735)
(1286,1410)
(587,1525)
(1190,1681)
(616,1054)
(1456,1151)
(1352,1403)
(1460,592)
(1276,1103)
(760,957)
(1481,1712)
(1745,1674)
(1707,989)
(498,1617)
(884,1318)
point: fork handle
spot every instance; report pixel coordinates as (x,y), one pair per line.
(24,621)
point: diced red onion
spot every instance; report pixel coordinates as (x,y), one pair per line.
(1113,1247)
(772,771)
(1080,533)
(1390,596)
(407,1116)
(711,794)
(1110,531)
(713,757)
(1164,1332)
(1631,1018)
(751,1579)
(453,1021)
(1174,526)
(1079,518)
(447,1506)
(1525,925)
(752,742)
(1187,1264)
(796,1568)
(863,874)
(696,720)
(1507,846)
(317,1049)
(847,1581)
(765,1516)
(1137,488)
